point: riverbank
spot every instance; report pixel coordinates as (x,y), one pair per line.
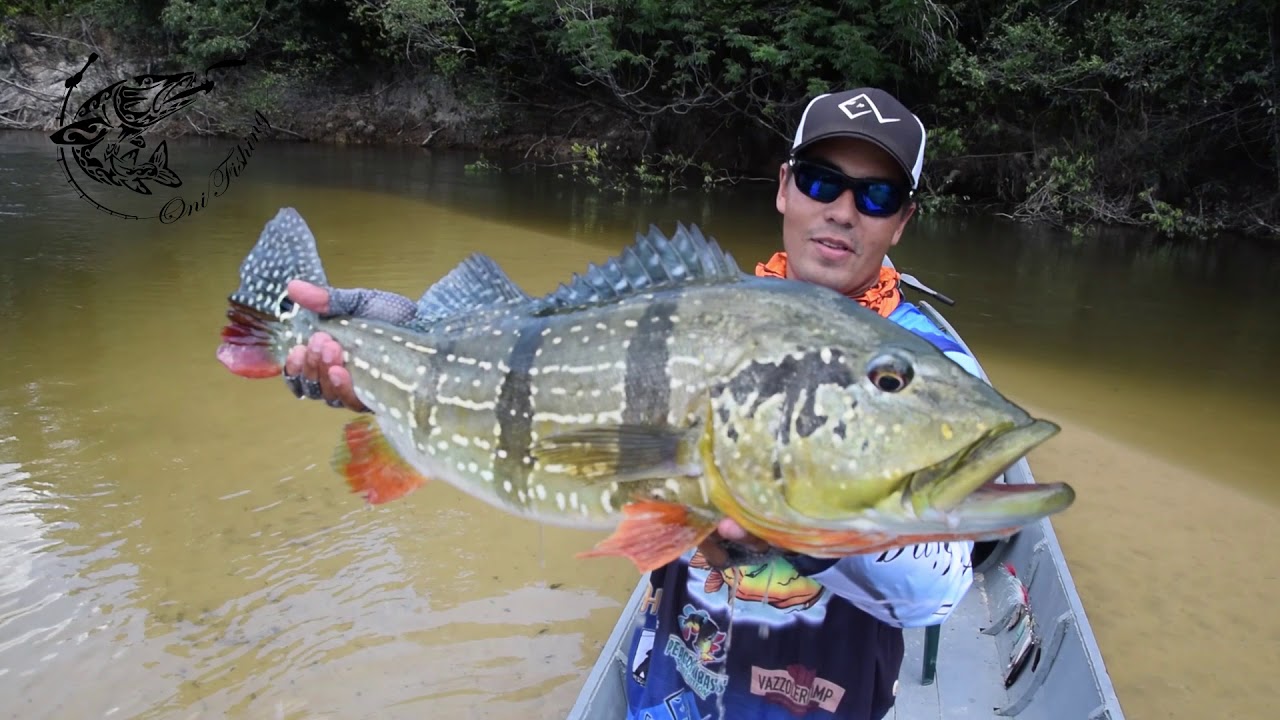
(601,133)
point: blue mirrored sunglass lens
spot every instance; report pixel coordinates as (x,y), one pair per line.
(881,197)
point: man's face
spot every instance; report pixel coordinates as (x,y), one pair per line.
(833,244)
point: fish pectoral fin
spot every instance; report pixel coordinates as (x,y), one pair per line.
(653,533)
(618,452)
(371,466)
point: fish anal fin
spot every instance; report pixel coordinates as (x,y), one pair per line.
(653,533)
(476,283)
(621,452)
(371,466)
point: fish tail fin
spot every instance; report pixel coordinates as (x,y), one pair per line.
(256,339)
(160,160)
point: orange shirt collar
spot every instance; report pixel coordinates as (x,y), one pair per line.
(882,297)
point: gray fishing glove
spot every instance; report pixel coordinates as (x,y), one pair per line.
(357,303)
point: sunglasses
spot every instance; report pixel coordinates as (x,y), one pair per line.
(875,197)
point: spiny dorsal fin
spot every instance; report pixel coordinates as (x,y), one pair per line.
(653,261)
(477,282)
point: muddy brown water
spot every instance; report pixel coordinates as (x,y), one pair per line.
(173,543)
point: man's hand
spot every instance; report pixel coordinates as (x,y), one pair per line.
(713,548)
(316,370)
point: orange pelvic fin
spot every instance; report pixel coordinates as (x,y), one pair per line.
(653,533)
(371,466)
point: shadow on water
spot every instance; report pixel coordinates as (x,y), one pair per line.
(176,532)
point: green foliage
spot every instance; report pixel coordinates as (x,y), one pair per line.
(1160,112)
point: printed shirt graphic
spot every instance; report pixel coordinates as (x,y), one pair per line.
(799,646)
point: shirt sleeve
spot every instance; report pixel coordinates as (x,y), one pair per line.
(905,587)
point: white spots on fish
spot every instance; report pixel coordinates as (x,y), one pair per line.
(540,490)
(897,429)
(442,445)
(521,496)
(451,357)
(359,342)
(420,348)
(502,454)
(473,468)
(556,340)
(559,391)
(395,413)
(825,354)
(377,331)
(397,338)
(630,323)
(546,331)
(575,329)
(460,440)
(361,363)
(606,500)
(364,326)
(375,373)
(486,475)
(583,509)
(475,382)
(573,499)
(559,499)
(601,326)
(506,486)
(344,322)
(672,485)
(497,333)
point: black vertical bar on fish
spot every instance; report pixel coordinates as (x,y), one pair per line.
(647,383)
(515,406)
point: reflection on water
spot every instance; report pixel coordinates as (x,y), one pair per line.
(172,538)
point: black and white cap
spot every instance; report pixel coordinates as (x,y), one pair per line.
(868,113)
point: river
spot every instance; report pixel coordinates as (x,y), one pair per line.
(173,543)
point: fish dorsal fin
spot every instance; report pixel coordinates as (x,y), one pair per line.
(476,283)
(653,261)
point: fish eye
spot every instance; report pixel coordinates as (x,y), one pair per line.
(890,372)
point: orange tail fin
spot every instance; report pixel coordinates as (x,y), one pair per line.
(371,466)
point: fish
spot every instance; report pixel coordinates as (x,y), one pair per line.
(654,395)
(114,119)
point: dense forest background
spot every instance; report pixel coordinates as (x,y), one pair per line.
(1158,113)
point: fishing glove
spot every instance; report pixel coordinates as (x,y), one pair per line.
(358,303)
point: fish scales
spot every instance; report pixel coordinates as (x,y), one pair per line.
(613,365)
(656,395)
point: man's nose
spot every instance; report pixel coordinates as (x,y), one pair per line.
(842,210)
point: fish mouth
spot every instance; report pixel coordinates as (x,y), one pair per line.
(961,491)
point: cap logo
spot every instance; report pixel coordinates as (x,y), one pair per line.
(863,105)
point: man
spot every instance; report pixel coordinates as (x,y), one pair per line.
(810,638)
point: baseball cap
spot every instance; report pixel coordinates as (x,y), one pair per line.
(870,114)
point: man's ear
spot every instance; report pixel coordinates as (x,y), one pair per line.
(780,201)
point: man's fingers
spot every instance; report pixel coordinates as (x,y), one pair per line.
(310,296)
(729,529)
(343,390)
(294,360)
